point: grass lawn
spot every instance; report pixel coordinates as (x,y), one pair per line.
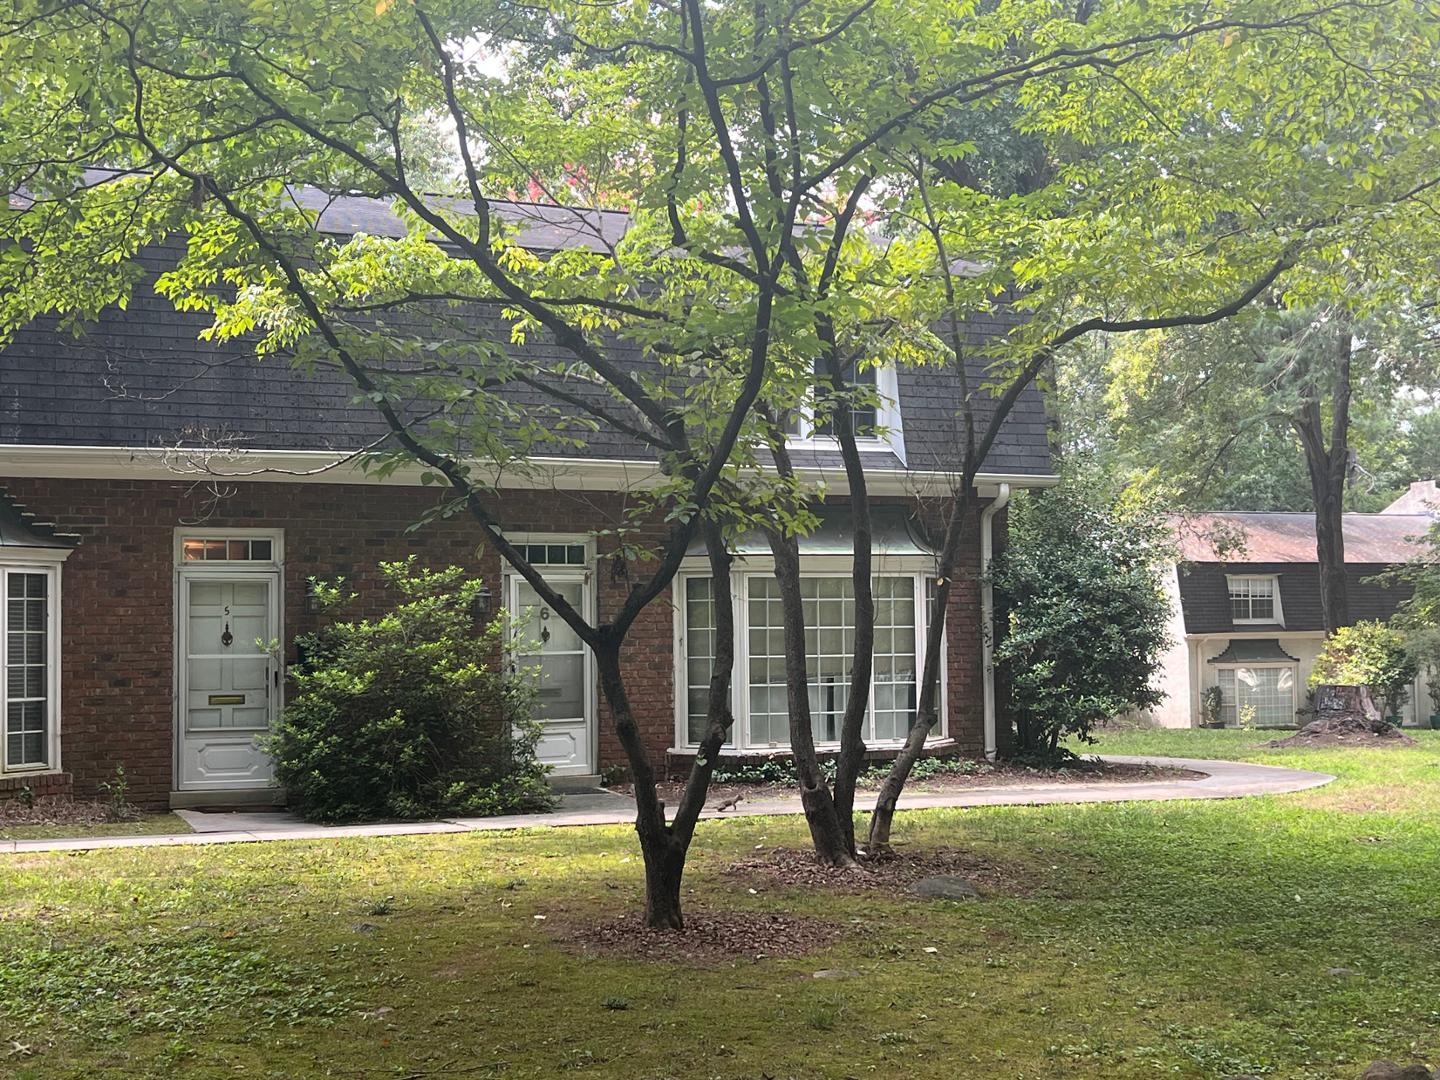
(148,825)
(1190,940)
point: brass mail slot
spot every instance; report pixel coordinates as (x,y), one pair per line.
(227,699)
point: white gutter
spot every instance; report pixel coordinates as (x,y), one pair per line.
(987,615)
(341,467)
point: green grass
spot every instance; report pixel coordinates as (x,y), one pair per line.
(148,825)
(1165,939)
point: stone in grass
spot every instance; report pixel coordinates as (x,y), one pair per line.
(945,887)
(1388,1070)
(835,973)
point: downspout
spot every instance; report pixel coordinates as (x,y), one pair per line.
(987,616)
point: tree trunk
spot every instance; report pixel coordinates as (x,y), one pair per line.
(826,833)
(862,664)
(882,818)
(663,852)
(1328,464)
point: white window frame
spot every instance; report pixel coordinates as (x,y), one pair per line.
(1231,580)
(37,561)
(918,568)
(1282,665)
(887,418)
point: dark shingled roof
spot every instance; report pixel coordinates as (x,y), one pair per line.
(140,377)
(1205,595)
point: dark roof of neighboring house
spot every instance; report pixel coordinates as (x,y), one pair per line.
(1205,595)
(140,377)
(538,226)
(1290,538)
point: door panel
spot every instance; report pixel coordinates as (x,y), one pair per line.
(545,644)
(229,681)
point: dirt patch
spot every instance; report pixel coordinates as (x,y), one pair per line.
(968,776)
(1345,731)
(710,938)
(61,810)
(890,873)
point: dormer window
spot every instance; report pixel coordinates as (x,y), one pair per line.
(877,423)
(1255,599)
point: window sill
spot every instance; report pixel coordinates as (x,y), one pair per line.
(872,750)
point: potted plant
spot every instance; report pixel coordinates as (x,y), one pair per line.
(1211,702)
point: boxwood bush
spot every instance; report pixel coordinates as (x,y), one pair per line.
(409,715)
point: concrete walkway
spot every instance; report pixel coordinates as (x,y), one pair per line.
(1223,780)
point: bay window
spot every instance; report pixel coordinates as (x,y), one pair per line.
(761,702)
(1264,695)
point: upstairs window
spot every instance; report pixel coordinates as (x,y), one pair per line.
(812,422)
(1255,599)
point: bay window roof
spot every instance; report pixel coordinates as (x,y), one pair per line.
(895,532)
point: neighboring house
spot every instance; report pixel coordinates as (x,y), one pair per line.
(136,584)
(1247,619)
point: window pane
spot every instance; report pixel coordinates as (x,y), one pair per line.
(27,679)
(699,654)
(261,550)
(1268,691)
(829,604)
(863,416)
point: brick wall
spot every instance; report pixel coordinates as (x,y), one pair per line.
(117,589)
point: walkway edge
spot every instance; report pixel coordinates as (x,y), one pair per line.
(1223,780)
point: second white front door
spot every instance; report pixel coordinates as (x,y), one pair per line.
(564,702)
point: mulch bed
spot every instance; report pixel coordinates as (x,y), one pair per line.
(1345,731)
(709,938)
(985,775)
(59,810)
(894,874)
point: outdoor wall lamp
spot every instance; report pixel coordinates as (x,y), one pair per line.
(480,610)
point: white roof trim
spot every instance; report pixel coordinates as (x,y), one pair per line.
(340,467)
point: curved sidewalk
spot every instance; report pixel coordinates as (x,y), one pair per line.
(1223,780)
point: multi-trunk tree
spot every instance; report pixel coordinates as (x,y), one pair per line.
(763,156)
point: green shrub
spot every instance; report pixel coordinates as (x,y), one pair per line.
(410,715)
(1368,654)
(1084,615)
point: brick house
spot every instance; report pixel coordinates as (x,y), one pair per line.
(164,502)
(1248,620)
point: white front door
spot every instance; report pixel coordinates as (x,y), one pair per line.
(229,681)
(564,702)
